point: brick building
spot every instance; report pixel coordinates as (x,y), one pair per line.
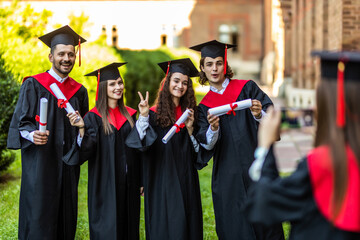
(314,25)
(237,22)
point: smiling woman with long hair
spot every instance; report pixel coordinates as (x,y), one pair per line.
(321,199)
(114,168)
(171,182)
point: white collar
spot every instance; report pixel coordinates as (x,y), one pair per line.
(57,77)
(224,85)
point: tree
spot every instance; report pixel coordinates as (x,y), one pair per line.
(20,26)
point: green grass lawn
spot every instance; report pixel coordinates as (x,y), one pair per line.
(9,204)
(10,192)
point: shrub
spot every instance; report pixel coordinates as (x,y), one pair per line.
(9,93)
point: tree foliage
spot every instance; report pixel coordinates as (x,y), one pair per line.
(80,24)
(20,26)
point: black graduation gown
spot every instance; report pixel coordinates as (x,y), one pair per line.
(48,196)
(114,180)
(274,200)
(171,184)
(232,155)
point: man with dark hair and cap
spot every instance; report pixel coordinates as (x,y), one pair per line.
(48,196)
(231,140)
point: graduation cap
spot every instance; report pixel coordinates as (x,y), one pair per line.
(109,72)
(64,35)
(213,49)
(339,66)
(184,66)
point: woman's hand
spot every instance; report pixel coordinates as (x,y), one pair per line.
(73,116)
(256,108)
(80,124)
(144,104)
(269,128)
(190,122)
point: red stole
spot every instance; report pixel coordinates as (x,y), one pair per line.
(69,87)
(322,176)
(231,93)
(178,111)
(115,117)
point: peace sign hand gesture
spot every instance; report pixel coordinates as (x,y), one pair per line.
(144,104)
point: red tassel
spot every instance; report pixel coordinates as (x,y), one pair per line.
(225,59)
(97,88)
(79,52)
(167,71)
(340,116)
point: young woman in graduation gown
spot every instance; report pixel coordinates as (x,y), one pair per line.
(171,184)
(321,199)
(114,168)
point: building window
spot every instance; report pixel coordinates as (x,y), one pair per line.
(229,34)
(114,36)
(163,40)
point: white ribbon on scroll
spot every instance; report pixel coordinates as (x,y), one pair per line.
(43,114)
(228,108)
(176,126)
(60,96)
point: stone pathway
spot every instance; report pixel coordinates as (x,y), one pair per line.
(294,145)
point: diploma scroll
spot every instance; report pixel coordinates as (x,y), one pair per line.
(180,122)
(228,108)
(62,101)
(43,114)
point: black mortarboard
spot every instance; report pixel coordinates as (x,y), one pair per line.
(64,35)
(109,72)
(184,66)
(330,61)
(341,66)
(214,49)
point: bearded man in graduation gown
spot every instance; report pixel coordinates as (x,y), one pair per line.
(231,140)
(48,195)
